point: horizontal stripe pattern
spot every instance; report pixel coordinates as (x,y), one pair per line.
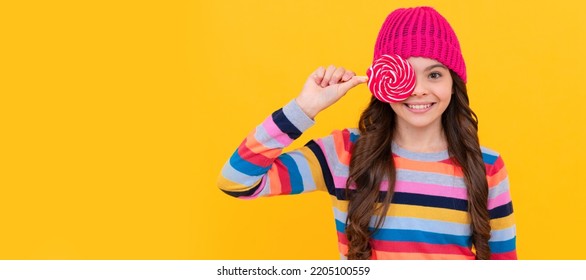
(427,218)
(429,225)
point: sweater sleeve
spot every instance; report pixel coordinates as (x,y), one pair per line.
(259,168)
(502,241)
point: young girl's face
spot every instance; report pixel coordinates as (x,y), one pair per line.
(432,94)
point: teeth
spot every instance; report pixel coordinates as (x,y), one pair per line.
(419,107)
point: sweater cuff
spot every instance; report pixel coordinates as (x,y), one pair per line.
(297,117)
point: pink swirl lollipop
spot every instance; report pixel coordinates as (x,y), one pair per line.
(391,78)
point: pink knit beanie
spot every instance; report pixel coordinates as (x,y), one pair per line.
(420,31)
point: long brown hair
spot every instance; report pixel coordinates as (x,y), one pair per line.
(371,162)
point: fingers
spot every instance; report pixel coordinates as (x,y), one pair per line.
(328,76)
(318,75)
(331,75)
(337,75)
(354,81)
(324,87)
(347,76)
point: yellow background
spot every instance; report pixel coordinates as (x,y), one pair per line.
(117,116)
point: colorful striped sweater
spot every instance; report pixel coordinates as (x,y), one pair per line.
(427,218)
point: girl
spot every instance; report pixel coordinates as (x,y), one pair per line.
(412,182)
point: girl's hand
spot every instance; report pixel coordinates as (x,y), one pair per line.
(326,86)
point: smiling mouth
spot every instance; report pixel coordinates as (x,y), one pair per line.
(419,106)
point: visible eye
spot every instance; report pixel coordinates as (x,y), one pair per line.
(435,75)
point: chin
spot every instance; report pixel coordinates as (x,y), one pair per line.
(423,123)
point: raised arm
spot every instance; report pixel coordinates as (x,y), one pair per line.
(259,168)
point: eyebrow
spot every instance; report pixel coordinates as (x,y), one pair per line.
(434,66)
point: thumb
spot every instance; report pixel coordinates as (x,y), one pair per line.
(356,80)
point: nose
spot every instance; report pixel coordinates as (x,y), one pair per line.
(420,89)
(419,93)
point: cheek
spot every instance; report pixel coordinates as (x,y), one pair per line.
(444,92)
(447,96)
(395,106)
